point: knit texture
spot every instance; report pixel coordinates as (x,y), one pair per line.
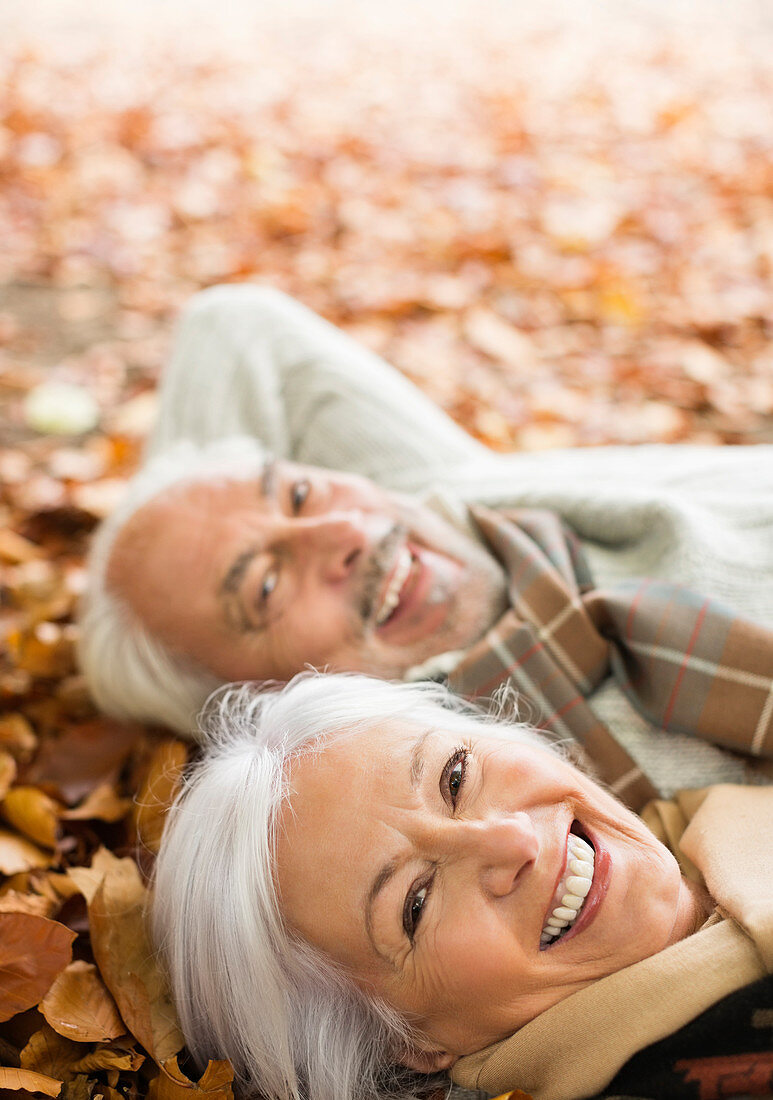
(249,360)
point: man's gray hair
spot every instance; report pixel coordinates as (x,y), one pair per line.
(292,1023)
(130,673)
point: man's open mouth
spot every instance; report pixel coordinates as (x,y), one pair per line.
(396,585)
(573,888)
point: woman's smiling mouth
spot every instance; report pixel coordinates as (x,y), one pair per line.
(574,887)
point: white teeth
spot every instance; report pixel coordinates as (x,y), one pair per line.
(571,901)
(579,886)
(399,577)
(573,890)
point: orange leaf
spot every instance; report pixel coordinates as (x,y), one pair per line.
(14,902)
(103,804)
(126,959)
(18,854)
(158,792)
(79,1006)
(172,1084)
(504,342)
(112,1057)
(17,736)
(26,1080)
(33,950)
(7,772)
(46,1052)
(46,650)
(33,813)
(14,548)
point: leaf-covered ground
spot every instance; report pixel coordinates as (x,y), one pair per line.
(558,222)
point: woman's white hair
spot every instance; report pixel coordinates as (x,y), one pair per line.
(292,1023)
(130,673)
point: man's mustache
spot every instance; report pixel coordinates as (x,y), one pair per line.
(380,561)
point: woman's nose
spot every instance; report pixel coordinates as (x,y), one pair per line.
(502,847)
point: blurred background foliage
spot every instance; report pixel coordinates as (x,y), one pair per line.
(556,217)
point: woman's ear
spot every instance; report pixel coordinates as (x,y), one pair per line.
(426,1059)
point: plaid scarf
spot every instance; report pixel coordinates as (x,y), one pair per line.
(685,662)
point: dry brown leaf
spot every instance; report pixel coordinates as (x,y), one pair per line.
(110,1058)
(34,584)
(126,959)
(17,736)
(46,650)
(15,549)
(88,879)
(33,813)
(14,902)
(103,804)
(79,1006)
(79,1088)
(18,854)
(490,334)
(158,792)
(172,1083)
(7,772)
(57,886)
(107,1093)
(49,1053)
(24,1079)
(33,950)
(82,756)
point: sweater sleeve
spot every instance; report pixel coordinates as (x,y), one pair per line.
(249,360)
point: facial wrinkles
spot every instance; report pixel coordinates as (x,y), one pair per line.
(430,839)
(181,597)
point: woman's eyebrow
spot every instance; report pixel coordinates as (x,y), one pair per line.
(418,759)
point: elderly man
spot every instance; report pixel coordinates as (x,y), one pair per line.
(302,504)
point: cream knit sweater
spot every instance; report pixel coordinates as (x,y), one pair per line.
(249,360)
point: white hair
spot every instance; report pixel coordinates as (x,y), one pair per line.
(130,673)
(292,1023)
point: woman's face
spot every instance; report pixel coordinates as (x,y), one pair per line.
(429,867)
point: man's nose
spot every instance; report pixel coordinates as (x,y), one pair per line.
(501,847)
(333,542)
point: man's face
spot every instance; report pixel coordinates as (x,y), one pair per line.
(255,579)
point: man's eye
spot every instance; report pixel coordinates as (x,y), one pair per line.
(299,494)
(454,775)
(412,910)
(268,585)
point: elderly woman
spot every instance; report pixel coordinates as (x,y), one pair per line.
(367,884)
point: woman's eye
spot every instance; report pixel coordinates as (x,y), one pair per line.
(268,585)
(414,904)
(454,775)
(299,494)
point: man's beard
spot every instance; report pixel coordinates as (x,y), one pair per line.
(474,607)
(379,563)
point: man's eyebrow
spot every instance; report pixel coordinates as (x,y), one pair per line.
(389,869)
(239,566)
(268,479)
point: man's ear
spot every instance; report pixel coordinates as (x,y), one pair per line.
(425,1059)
